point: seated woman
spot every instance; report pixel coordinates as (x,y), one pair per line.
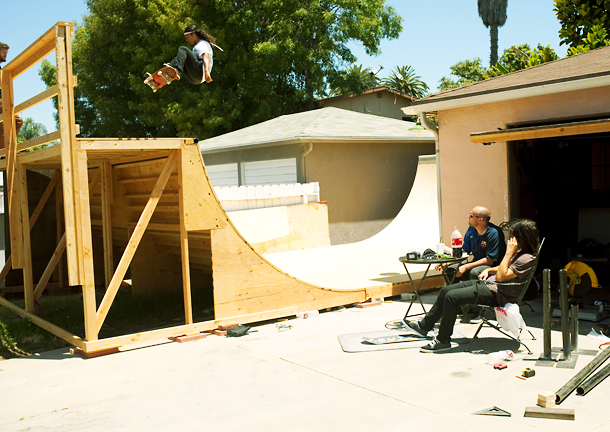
(521,248)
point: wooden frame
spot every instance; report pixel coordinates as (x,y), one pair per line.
(158,192)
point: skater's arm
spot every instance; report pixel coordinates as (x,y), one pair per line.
(206,64)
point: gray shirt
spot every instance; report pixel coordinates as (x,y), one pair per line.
(521,266)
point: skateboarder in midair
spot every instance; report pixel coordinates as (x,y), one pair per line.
(195,65)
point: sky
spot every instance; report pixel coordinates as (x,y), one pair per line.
(436,35)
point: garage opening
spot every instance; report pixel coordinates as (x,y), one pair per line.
(563,183)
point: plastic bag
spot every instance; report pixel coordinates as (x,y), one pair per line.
(510,319)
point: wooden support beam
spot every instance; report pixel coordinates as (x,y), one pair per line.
(51,328)
(67,143)
(107,199)
(538,132)
(132,143)
(184,247)
(134,241)
(26,250)
(85,246)
(48,272)
(10,145)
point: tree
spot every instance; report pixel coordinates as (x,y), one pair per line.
(520,57)
(278,58)
(596,38)
(404,80)
(30,130)
(467,72)
(578,17)
(354,81)
(493,14)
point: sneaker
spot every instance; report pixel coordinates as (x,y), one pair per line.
(416,328)
(436,346)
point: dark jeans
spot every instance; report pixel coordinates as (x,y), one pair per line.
(449,302)
(188,65)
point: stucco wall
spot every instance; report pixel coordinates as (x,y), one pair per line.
(365,184)
(474,174)
(388,105)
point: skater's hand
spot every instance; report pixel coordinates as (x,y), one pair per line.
(208,78)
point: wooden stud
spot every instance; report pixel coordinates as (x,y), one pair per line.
(86,242)
(26,250)
(63,110)
(107,221)
(184,249)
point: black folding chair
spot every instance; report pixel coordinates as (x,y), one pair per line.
(487,312)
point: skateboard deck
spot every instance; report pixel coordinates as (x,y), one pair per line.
(393,339)
(163,76)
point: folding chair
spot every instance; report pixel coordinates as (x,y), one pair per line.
(488,311)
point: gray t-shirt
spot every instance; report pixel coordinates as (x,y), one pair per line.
(521,266)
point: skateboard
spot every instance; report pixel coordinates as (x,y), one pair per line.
(393,339)
(163,76)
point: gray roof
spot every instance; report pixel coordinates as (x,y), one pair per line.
(590,64)
(327,124)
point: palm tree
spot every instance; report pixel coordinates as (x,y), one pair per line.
(404,80)
(493,14)
(355,80)
(30,130)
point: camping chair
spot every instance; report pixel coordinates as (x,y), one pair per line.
(487,311)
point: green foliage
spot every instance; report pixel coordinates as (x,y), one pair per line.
(404,80)
(467,72)
(30,130)
(597,37)
(355,80)
(493,15)
(579,17)
(278,58)
(520,57)
(514,58)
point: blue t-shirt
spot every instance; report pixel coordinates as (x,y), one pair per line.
(489,245)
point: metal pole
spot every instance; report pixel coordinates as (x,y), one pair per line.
(569,387)
(588,385)
(546,313)
(574,327)
(565,320)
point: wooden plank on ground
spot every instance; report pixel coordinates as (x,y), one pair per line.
(550,413)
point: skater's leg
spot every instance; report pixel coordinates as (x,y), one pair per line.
(187,64)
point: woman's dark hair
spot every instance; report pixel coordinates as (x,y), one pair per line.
(201,33)
(526,233)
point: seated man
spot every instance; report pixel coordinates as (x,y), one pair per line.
(484,242)
(514,267)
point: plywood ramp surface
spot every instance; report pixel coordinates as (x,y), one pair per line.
(374,261)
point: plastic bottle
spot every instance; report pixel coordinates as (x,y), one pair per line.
(456,243)
(500,356)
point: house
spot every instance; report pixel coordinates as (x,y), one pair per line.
(382,101)
(365,164)
(533,143)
